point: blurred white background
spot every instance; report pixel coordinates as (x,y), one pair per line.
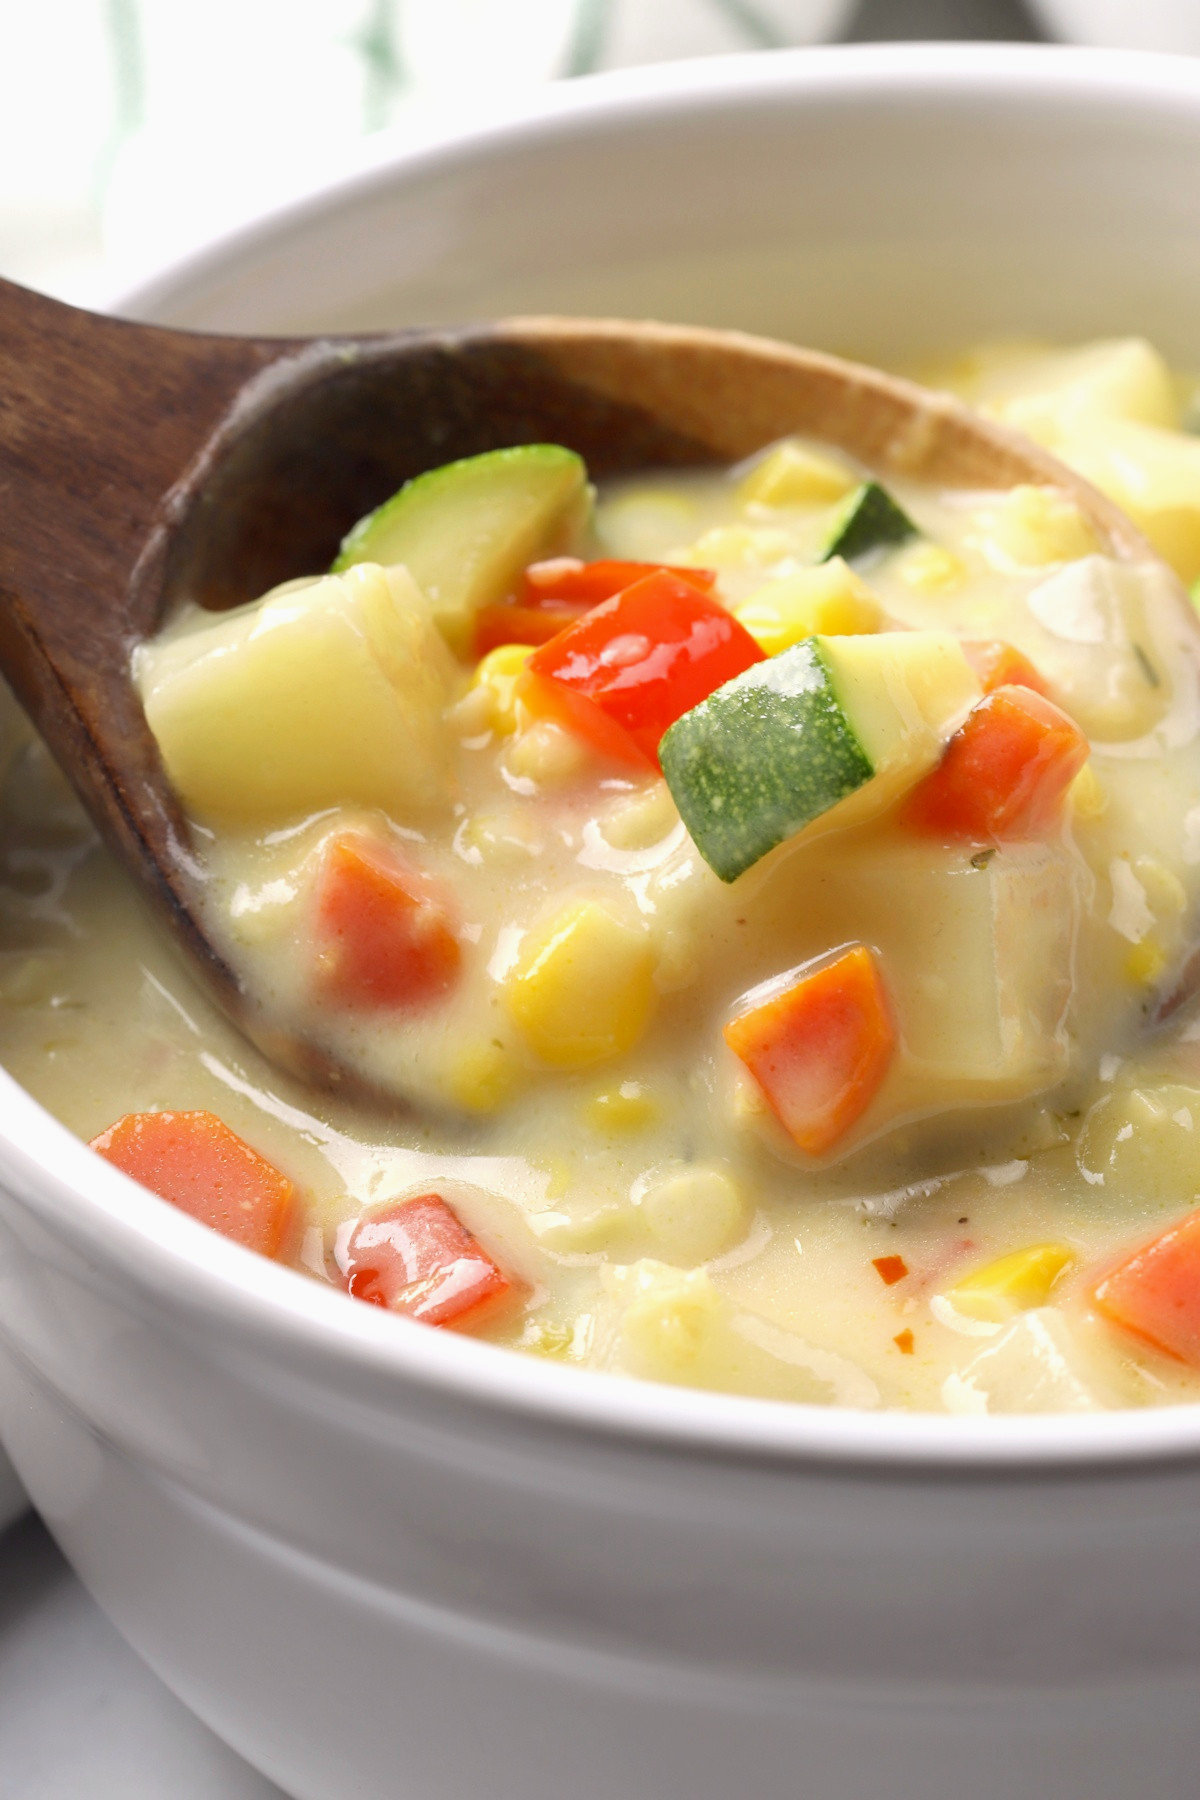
(131,130)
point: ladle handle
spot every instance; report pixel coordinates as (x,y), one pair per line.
(99,420)
(99,417)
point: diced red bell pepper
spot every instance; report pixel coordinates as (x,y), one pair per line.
(556,593)
(510,624)
(820,1048)
(416,1257)
(1155,1292)
(635,663)
(998,664)
(197,1163)
(384,930)
(1004,773)
(586,584)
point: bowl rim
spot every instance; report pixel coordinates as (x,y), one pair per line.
(916,71)
(170,1263)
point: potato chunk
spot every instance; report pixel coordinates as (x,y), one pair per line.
(322,694)
(1089,632)
(979,959)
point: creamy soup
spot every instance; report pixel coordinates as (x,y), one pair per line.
(751,899)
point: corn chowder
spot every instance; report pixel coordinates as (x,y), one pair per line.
(759,892)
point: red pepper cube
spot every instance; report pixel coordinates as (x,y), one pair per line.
(1155,1292)
(637,662)
(1004,774)
(586,584)
(416,1257)
(820,1047)
(998,664)
(383,929)
(197,1163)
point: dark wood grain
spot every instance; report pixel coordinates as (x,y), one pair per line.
(140,467)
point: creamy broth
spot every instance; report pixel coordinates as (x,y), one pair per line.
(617,1160)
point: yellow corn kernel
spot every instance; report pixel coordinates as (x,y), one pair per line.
(929,568)
(582,990)
(1035,525)
(828,598)
(638,521)
(1145,962)
(544,752)
(560,1177)
(1163,889)
(497,673)
(501,837)
(643,819)
(736,547)
(545,1338)
(1012,1284)
(481,1077)
(693,1213)
(617,1110)
(1087,794)
(794,475)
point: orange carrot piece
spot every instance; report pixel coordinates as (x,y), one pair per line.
(889,1269)
(1003,774)
(998,664)
(545,699)
(197,1163)
(820,1048)
(383,928)
(509,624)
(416,1257)
(1155,1291)
(905,1342)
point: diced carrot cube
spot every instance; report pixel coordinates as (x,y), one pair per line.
(513,624)
(998,664)
(383,929)
(890,1269)
(416,1257)
(1004,774)
(820,1048)
(197,1163)
(1155,1292)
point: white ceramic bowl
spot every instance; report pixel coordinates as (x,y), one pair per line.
(1128,24)
(383,1560)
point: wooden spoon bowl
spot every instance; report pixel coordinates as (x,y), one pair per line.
(140,467)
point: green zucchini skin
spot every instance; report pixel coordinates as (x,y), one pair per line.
(870,520)
(762,757)
(466,530)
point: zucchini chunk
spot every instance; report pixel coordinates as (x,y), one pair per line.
(869,520)
(466,531)
(824,735)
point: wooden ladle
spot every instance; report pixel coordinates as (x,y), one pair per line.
(140,467)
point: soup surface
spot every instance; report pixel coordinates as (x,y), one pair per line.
(766,947)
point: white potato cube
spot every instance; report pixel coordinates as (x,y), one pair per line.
(1047,392)
(324,693)
(1090,635)
(977,957)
